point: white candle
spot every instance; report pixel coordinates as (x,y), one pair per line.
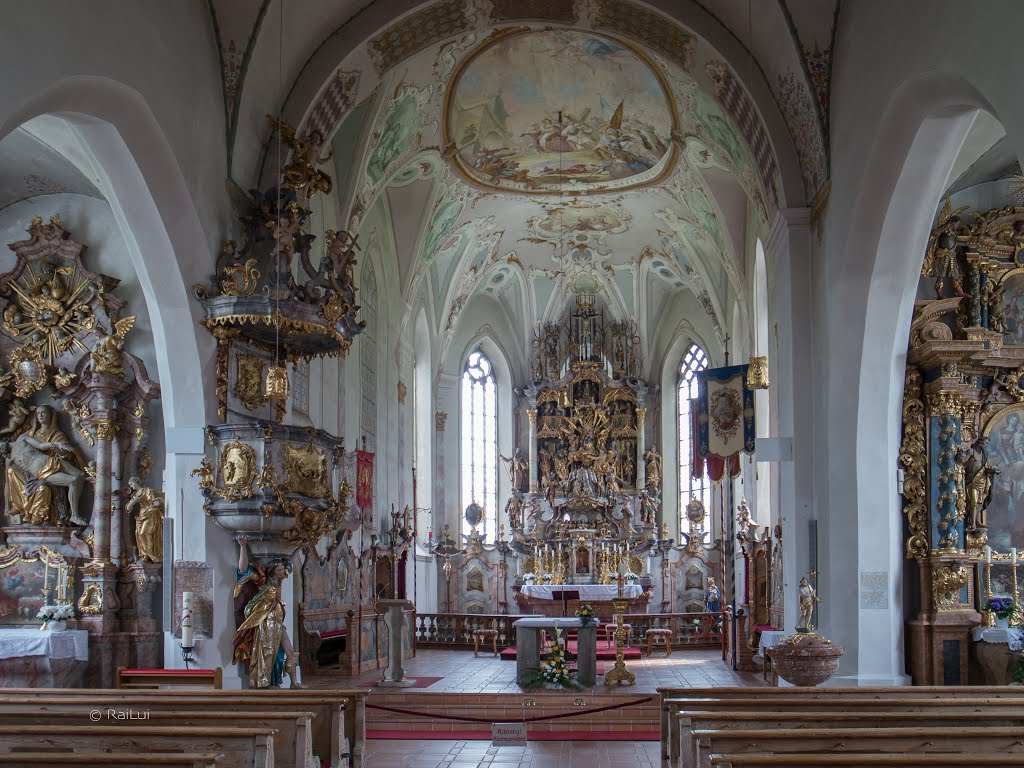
(46,573)
(988,555)
(186,620)
(1014,553)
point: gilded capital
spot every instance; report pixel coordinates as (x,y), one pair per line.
(641,415)
(105,429)
(402,390)
(531,414)
(944,403)
(439,419)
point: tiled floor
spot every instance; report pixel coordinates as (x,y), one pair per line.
(461,672)
(537,754)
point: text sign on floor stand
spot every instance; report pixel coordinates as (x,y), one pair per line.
(508,734)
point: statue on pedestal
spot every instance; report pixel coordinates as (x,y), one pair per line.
(149,525)
(808,599)
(975,472)
(712,597)
(516,469)
(40,459)
(652,469)
(261,640)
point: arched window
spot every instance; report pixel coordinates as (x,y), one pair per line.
(694,360)
(479,425)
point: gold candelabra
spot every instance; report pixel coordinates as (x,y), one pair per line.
(620,674)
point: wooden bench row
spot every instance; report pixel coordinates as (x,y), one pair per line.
(308,726)
(700,726)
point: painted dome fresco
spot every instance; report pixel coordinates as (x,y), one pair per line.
(542,111)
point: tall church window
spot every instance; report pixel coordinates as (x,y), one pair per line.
(368,359)
(479,426)
(694,360)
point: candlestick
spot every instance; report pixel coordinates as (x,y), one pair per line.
(186,620)
(988,555)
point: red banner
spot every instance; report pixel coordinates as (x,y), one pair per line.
(364,479)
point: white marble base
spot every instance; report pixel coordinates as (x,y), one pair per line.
(406,683)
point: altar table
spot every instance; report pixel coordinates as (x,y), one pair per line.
(528,646)
(585,591)
(33,658)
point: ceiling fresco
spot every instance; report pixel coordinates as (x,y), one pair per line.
(542,111)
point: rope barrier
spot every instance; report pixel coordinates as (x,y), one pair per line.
(537,719)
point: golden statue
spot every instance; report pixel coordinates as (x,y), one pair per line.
(108,352)
(974,478)
(149,525)
(40,459)
(261,640)
(301,173)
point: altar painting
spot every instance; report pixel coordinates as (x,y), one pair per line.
(21,588)
(535,109)
(1005,514)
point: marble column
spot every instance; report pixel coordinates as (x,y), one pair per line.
(105,429)
(641,441)
(947,524)
(531,414)
(116,501)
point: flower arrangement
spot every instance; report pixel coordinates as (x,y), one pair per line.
(586,615)
(554,666)
(548,577)
(529,577)
(61,612)
(1002,607)
(630,576)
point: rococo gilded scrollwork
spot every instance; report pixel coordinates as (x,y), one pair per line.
(913,460)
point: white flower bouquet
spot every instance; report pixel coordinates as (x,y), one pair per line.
(61,612)
(630,576)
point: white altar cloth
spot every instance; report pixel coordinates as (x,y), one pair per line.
(769,638)
(1012,636)
(586,591)
(70,644)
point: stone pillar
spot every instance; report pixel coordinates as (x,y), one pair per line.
(947,524)
(641,441)
(531,414)
(789,253)
(396,618)
(105,429)
(117,480)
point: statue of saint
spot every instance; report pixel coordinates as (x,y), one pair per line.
(40,459)
(611,477)
(514,510)
(582,560)
(149,525)
(261,640)
(976,483)
(652,467)
(712,597)
(648,508)
(516,469)
(808,599)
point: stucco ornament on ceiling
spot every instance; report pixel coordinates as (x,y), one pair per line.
(539,111)
(577,232)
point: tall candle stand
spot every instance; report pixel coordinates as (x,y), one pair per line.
(620,674)
(988,617)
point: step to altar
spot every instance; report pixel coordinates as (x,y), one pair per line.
(583,713)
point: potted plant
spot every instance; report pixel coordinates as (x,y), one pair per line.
(1002,607)
(529,577)
(55,617)
(586,615)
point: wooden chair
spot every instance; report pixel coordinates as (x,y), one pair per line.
(662,635)
(483,635)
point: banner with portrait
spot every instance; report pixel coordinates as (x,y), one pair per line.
(364,479)
(725,413)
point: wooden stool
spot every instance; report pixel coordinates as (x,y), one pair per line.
(666,638)
(485,635)
(611,629)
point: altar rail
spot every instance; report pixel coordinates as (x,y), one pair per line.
(455,630)
(692,630)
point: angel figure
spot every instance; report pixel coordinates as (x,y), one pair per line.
(107,352)
(16,417)
(301,173)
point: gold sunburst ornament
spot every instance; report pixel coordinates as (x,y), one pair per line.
(50,310)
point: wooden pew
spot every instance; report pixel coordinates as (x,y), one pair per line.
(856,760)
(674,698)
(240,747)
(334,736)
(158,678)
(105,759)
(949,718)
(832,740)
(292,745)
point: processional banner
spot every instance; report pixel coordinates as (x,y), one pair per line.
(364,479)
(725,413)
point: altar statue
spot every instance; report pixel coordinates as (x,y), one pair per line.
(516,469)
(652,469)
(808,599)
(712,597)
(149,525)
(40,459)
(975,472)
(261,640)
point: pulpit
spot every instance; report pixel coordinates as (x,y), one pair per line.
(33,658)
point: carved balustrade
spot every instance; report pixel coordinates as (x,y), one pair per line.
(455,630)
